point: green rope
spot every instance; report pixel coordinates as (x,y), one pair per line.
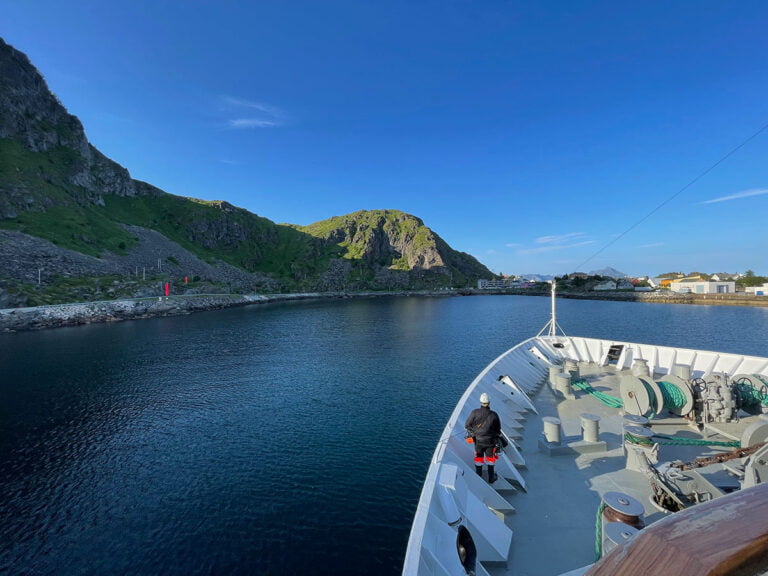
(673,397)
(762,378)
(652,398)
(599,532)
(663,439)
(607,399)
(752,396)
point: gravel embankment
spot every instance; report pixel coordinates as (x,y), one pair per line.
(17,319)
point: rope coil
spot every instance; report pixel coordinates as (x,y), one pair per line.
(607,399)
(665,440)
(750,395)
(673,397)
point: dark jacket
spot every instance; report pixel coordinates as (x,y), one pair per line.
(484,424)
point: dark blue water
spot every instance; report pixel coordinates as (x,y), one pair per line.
(271,439)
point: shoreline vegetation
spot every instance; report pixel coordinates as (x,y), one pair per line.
(74,314)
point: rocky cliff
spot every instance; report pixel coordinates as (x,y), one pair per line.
(33,117)
(397,241)
(70,217)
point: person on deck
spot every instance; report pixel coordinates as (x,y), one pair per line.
(484,426)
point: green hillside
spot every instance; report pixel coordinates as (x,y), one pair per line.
(103,226)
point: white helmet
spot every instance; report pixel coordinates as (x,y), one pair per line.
(484,399)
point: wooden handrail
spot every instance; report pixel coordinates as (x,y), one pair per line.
(727,536)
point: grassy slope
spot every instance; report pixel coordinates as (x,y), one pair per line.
(38,178)
(263,246)
(41,180)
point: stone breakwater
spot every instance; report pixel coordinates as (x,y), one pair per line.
(16,319)
(19,319)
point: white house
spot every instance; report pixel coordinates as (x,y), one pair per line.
(702,287)
(492,284)
(606,285)
(757,290)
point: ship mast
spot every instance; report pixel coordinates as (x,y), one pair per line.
(552,325)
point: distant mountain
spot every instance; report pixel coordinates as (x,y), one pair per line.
(536,277)
(67,212)
(610,272)
(389,242)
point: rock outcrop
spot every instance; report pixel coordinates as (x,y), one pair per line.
(395,240)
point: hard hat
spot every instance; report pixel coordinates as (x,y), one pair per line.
(484,398)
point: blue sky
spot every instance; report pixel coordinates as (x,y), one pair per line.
(532,135)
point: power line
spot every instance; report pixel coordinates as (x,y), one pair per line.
(676,194)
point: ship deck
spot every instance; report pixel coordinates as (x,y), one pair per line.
(540,516)
(557,513)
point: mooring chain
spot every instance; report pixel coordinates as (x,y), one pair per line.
(718,458)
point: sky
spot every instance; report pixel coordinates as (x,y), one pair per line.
(540,137)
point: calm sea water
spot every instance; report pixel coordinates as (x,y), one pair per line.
(271,439)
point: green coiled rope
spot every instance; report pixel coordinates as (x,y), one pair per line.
(670,393)
(607,399)
(652,398)
(750,395)
(673,397)
(677,441)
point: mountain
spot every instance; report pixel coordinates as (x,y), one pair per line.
(390,242)
(75,225)
(608,271)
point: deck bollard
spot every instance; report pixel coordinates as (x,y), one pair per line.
(640,367)
(638,441)
(590,427)
(621,518)
(563,384)
(620,507)
(630,421)
(572,368)
(553,372)
(682,371)
(552,429)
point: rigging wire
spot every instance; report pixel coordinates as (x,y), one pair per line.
(676,194)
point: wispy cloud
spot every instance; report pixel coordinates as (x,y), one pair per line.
(559,239)
(553,247)
(251,123)
(558,242)
(245,114)
(745,194)
(654,245)
(512,245)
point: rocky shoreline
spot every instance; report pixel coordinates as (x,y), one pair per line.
(54,316)
(35,318)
